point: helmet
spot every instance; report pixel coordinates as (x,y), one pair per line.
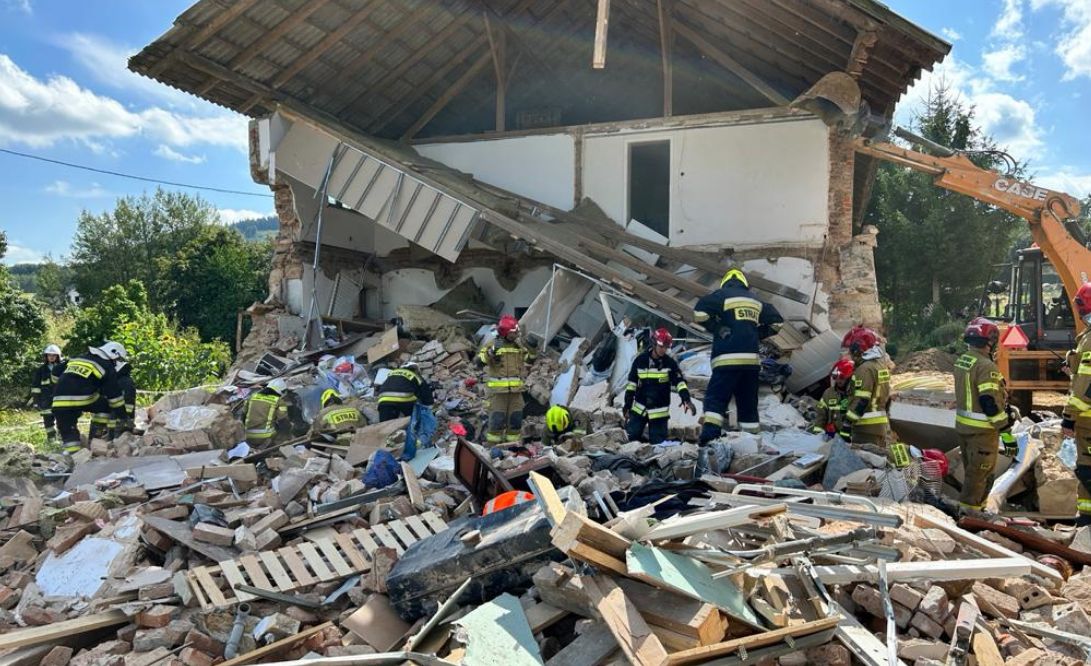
(507,325)
(328,396)
(52,349)
(1083,299)
(558,419)
(860,339)
(115,350)
(411,365)
(662,336)
(843,369)
(981,331)
(735,274)
(279,385)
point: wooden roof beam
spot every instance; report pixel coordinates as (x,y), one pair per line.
(248,53)
(602,26)
(730,64)
(311,54)
(202,35)
(666,39)
(861,49)
(443,100)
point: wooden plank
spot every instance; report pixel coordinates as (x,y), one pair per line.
(299,570)
(546,495)
(364,537)
(597,558)
(198,590)
(234,577)
(202,34)
(412,486)
(683,526)
(541,616)
(631,632)
(215,597)
(575,528)
(591,648)
(402,532)
(602,26)
(443,100)
(314,559)
(418,526)
(701,654)
(276,570)
(58,631)
(386,538)
(256,572)
(181,533)
(675,612)
(357,559)
(729,63)
(330,551)
(261,653)
(666,37)
(685,575)
(434,522)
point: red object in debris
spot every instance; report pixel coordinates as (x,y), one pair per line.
(343,368)
(1015,338)
(506,501)
(470,382)
(939,457)
(458,429)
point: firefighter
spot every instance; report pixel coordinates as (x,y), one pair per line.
(738,322)
(41,388)
(870,399)
(266,415)
(1076,419)
(401,391)
(982,414)
(81,384)
(652,377)
(830,415)
(336,421)
(562,422)
(127,422)
(506,359)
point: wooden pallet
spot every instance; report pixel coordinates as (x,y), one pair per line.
(294,567)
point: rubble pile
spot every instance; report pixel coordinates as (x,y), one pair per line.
(183,544)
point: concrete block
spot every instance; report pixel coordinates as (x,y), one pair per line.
(214,534)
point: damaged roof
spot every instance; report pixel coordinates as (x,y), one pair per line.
(398,68)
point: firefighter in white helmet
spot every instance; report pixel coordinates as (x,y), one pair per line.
(41,387)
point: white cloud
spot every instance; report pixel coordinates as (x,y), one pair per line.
(1074,41)
(951,34)
(1011,122)
(21,254)
(233,215)
(1009,25)
(1068,180)
(62,188)
(39,113)
(166,152)
(19,5)
(998,63)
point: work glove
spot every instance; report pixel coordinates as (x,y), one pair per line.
(689,408)
(492,353)
(1068,427)
(1011,447)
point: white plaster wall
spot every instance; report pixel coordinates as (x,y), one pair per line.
(539,167)
(742,185)
(416,286)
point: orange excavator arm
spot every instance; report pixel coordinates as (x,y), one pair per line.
(1045,210)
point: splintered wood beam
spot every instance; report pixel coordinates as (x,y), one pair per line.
(602,25)
(632,633)
(861,49)
(443,100)
(315,52)
(250,52)
(202,35)
(666,37)
(730,64)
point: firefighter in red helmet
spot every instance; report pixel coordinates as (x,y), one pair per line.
(506,358)
(1077,411)
(653,376)
(830,413)
(870,398)
(982,417)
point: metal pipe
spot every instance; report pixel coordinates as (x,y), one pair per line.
(231,649)
(831,497)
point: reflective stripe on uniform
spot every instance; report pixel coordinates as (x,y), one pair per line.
(870,418)
(631,386)
(712,418)
(505,383)
(749,427)
(699,316)
(681,387)
(1083,505)
(746,358)
(394,396)
(659,413)
(74,400)
(661,375)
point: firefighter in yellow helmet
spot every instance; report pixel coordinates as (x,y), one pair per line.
(336,420)
(562,422)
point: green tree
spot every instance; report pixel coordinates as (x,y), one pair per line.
(936,248)
(52,284)
(22,330)
(129,242)
(165,357)
(99,320)
(211,278)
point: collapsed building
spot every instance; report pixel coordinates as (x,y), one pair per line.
(530,156)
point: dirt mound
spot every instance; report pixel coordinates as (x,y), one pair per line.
(929,360)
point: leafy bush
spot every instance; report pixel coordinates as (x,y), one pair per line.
(165,357)
(22,331)
(98,321)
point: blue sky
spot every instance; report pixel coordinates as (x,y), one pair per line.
(65,94)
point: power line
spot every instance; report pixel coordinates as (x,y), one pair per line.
(128,175)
